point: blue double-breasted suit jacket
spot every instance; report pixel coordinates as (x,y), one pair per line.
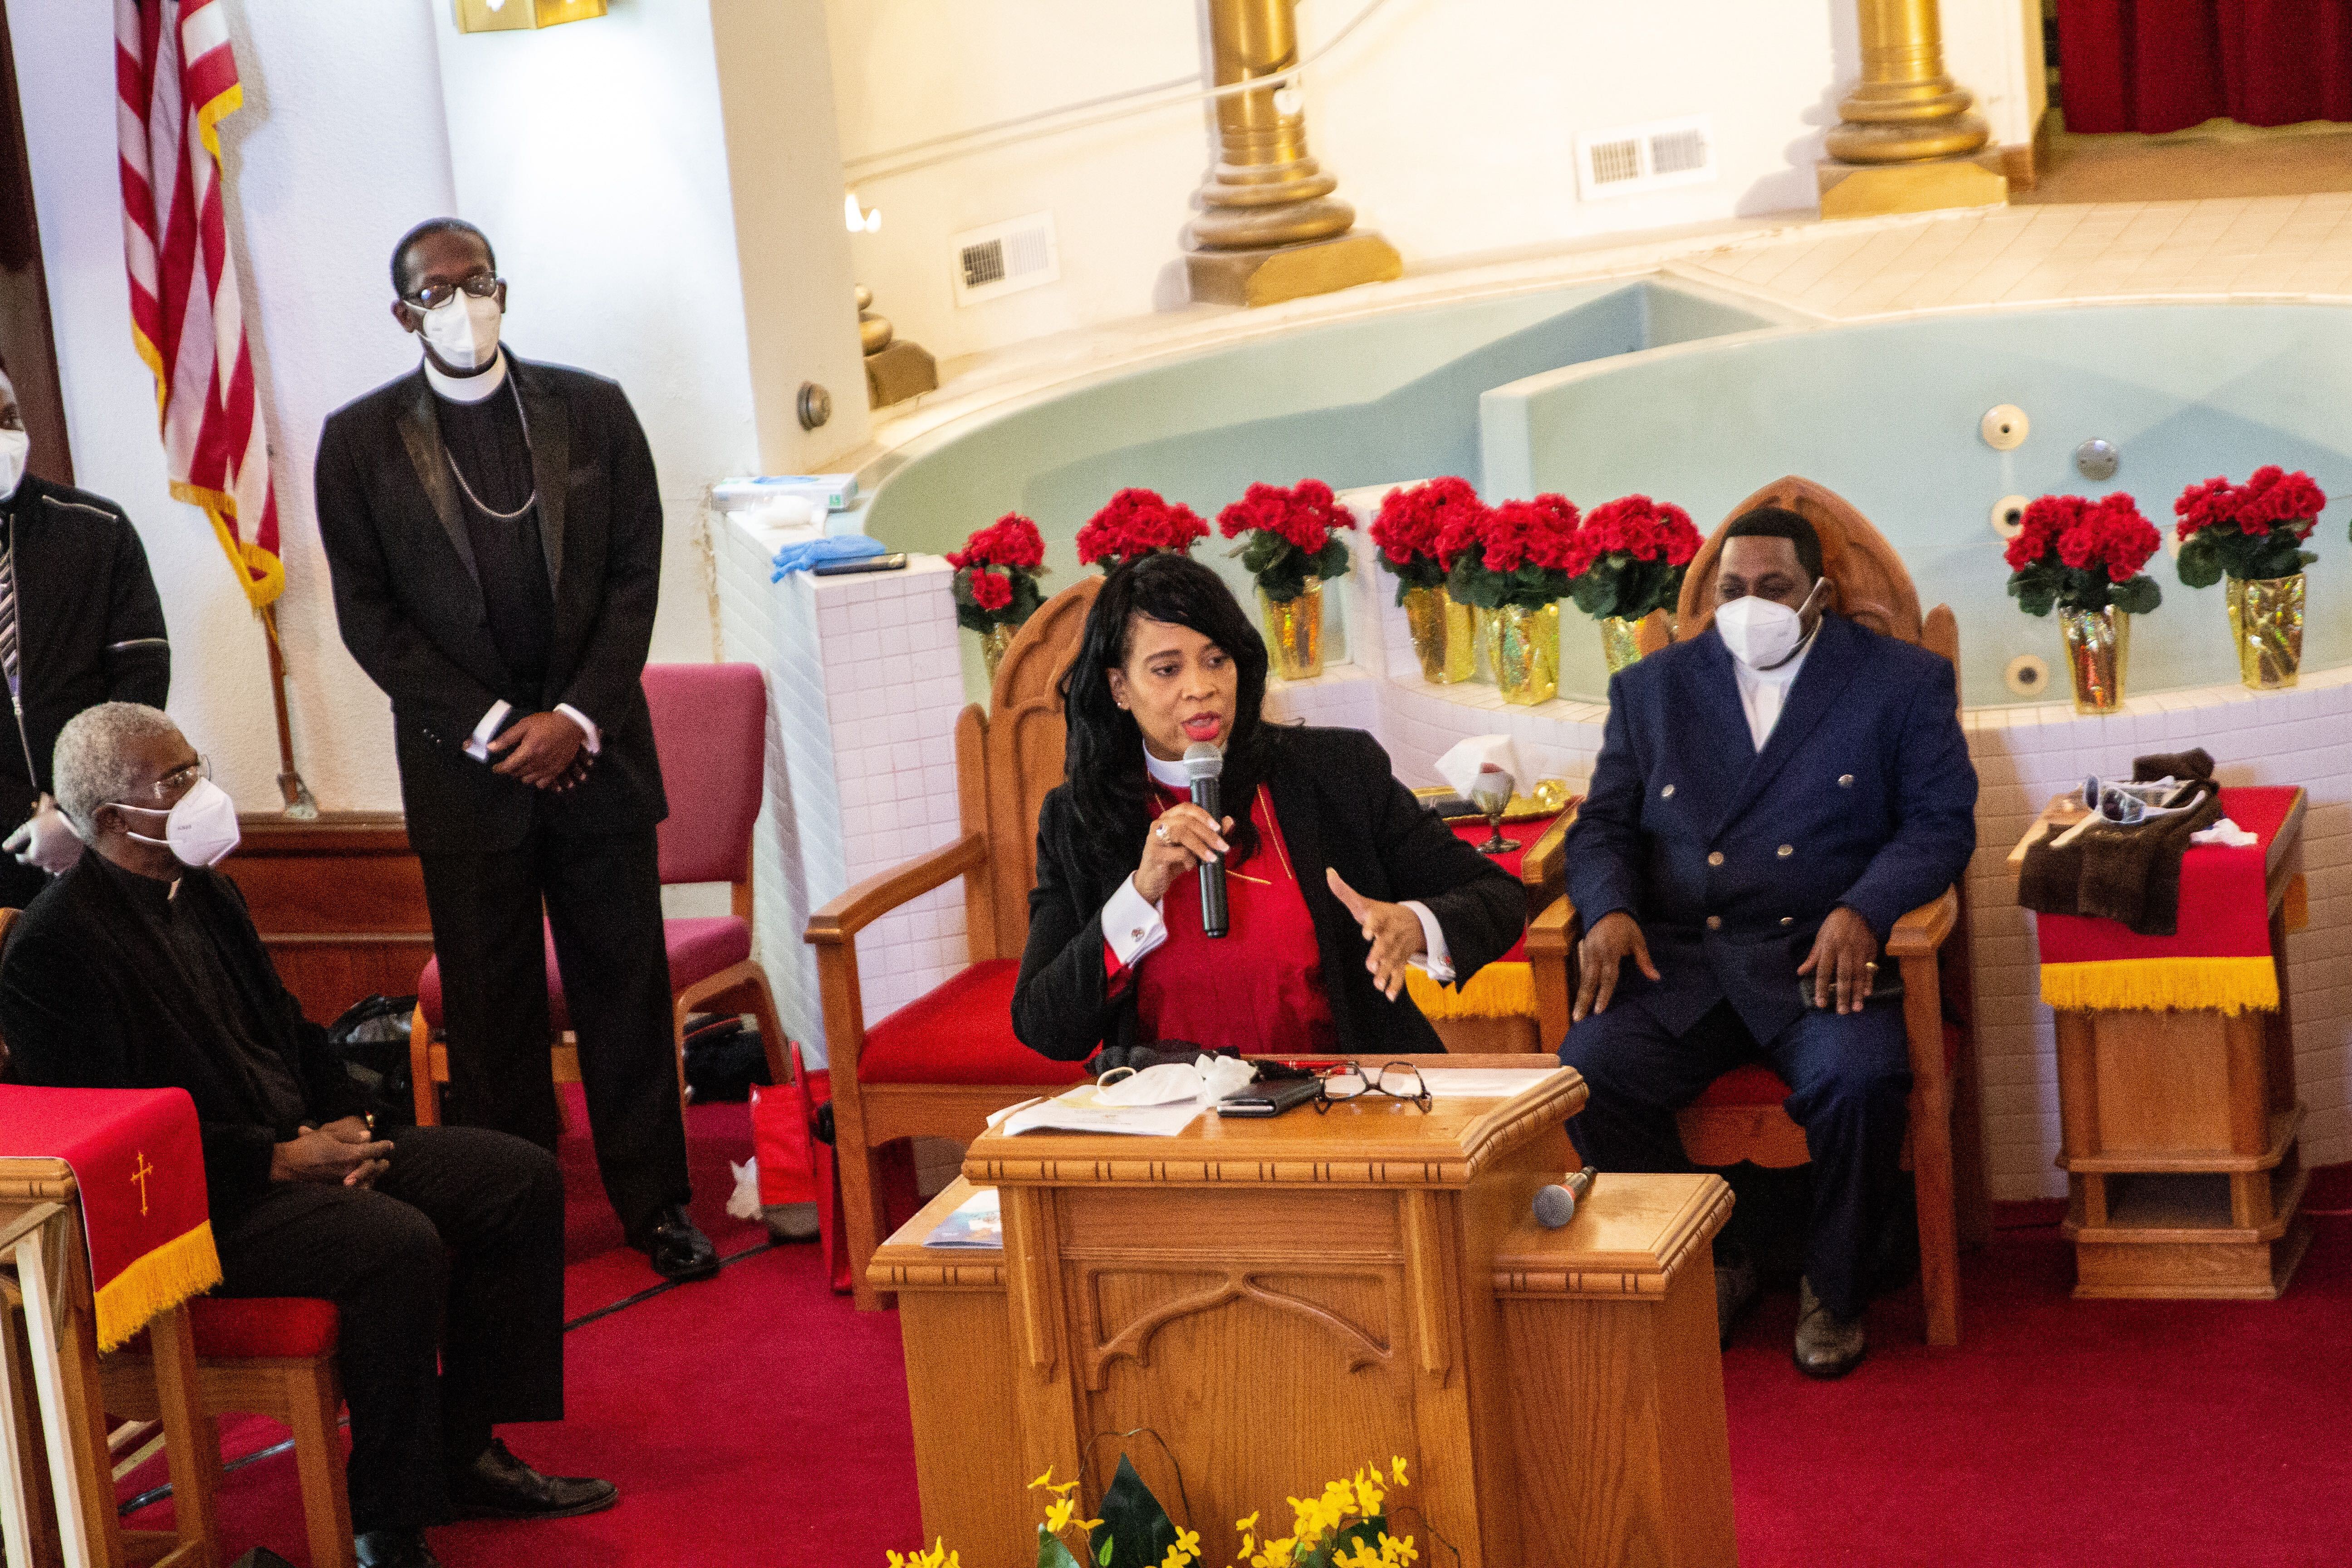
(1730,857)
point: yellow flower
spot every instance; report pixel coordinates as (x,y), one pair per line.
(1188,1541)
(1057,1514)
(895,1560)
(1246,1524)
(1047,1478)
(1396,1467)
(1395,1550)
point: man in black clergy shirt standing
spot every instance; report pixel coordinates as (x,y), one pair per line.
(494,532)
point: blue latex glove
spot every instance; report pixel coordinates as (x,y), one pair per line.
(814,551)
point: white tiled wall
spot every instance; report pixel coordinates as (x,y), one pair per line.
(866,684)
(864,681)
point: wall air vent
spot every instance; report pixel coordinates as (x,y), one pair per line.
(1003,259)
(1638,158)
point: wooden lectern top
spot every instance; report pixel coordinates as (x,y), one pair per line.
(1630,1236)
(1373,1142)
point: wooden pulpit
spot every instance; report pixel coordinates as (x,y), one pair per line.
(1252,1308)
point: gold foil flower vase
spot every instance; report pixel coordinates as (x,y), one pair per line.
(1293,633)
(993,644)
(1523,650)
(1444,637)
(2266,625)
(2098,656)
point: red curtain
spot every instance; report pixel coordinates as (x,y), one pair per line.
(2166,65)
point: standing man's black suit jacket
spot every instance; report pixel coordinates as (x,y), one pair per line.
(88,628)
(412,611)
(1337,805)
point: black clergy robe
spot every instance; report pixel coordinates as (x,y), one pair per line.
(447,1274)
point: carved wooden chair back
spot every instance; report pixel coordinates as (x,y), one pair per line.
(1873,587)
(1008,757)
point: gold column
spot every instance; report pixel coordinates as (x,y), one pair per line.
(1909,140)
(1269,227)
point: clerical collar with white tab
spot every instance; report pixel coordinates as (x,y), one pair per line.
(1167,775)
(467,388)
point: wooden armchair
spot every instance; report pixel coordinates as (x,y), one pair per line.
(939,1065)
(1740,1116)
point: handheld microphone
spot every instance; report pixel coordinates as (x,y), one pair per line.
(1204,764)
(1556,1205)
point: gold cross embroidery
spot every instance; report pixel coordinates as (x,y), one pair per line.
(140,1173)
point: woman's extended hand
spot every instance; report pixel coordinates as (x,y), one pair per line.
(1182,837)
(1395,931)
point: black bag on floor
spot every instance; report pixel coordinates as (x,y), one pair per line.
(372,1037)
(724,1058)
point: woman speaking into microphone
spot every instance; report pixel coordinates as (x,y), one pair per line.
(1336,879)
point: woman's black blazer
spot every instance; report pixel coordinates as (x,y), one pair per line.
(1339,806)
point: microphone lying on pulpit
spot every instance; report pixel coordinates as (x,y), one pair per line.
(1203,764)
(1556,1205)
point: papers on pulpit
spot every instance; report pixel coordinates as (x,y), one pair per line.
(978,1221)
(1082,1109)
(1483,1083)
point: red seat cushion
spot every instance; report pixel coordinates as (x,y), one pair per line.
(1756,1084)
(699,949)
(257,1328)
(960,1032)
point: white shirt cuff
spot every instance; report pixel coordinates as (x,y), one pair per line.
(596,742)
(1132,925)
(1437,961)
(478,744)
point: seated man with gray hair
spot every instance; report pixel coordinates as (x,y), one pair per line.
(441,1248)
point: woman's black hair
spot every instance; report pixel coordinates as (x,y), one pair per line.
(1103,749)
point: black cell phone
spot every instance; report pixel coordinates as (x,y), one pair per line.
(1886,985)
(1276,1097)
(890,562)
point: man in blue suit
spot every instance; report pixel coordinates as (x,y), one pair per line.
(1770,798)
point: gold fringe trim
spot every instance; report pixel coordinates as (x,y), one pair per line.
(2296,905)
(2159,985)
(1497,991)
(185,1265)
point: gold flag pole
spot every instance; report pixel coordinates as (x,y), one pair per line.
(1910,140)
(298,801)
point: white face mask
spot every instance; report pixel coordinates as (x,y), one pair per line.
(464,330)
(15,447)
(1762,633)
(200,829)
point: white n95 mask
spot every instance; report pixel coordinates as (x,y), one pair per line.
(464,330)
(200,829)
(15,446)
(1762,633)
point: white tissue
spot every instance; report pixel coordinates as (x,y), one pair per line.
(1204,1082)
(1478,755)
(788,515)
(743,1203)
(2225,832)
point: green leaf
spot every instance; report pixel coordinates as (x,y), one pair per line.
(1332,561)
(2200,563)
(2139,596)
(1051,1552)
(1103,1556)
(1133,1523)
(1595,593)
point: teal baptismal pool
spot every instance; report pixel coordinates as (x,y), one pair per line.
(1700,398)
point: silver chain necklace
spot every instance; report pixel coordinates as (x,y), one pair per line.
(529,502)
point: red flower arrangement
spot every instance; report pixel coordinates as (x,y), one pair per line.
(1514,554)
(2254,531)
(1137,523)
(1294,536)
(1410,525)
(1628,557)
(996,573)
(2078,554)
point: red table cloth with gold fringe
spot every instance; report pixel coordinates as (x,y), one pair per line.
(138,1167)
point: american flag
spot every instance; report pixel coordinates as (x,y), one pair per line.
(177,81)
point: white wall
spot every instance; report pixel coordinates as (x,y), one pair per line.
(339,147)
(1451,123)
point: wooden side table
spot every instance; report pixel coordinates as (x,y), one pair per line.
(2178,1130)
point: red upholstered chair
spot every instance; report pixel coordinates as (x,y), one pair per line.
(937,1067)
(1740,1116)
(269,1356)
(710,730)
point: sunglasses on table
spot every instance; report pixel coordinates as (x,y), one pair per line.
(1349,1080)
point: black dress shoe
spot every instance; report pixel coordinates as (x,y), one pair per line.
(677,1246)
(394,1549)
(499,1486)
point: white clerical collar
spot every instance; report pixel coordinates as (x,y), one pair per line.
(467,388)
(1167,775)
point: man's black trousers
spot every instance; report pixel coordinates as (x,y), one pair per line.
(448,1276)
(1849,1078)
(603,900)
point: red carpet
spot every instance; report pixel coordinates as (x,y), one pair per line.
(758,1420)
